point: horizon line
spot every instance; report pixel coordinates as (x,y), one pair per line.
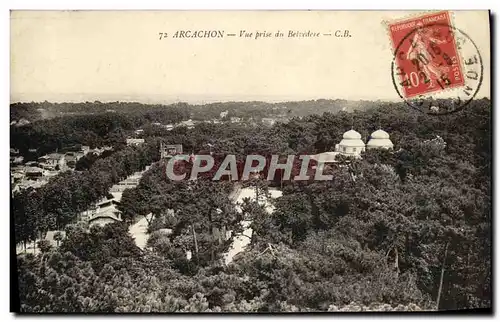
(202,102)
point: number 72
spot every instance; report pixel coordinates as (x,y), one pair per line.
(163,35)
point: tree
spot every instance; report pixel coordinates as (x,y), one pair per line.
(44,245)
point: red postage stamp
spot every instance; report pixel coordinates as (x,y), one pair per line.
(427,59)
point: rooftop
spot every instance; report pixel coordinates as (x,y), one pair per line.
(351,135)
(379,134)
(33,169)
(325,156)
(106,214)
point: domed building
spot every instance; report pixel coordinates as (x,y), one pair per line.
(351,144)
(379,139)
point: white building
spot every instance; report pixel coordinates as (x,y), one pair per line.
(104,213)
(53,160)
(189,124)
(325,157)
(135,142)
(34,172)
(169,150)
(351,144)
(223,114)
(104,218)
(85,149)
(379,139)
(268,121)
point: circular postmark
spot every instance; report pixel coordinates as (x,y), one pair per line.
(437,68)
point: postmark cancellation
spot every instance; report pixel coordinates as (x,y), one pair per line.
(433,58)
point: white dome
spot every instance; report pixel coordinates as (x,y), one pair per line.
(380,134)
(351,135)
(380,139)
(355,143)
(380,143)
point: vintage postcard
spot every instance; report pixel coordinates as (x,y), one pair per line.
(250,161)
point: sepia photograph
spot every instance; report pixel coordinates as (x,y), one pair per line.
(250,161)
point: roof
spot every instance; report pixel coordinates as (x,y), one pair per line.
(181,157)
(117,196)
(107,201)
(325,156)
(173,146)
(32,183)
(351,135)
(379,134)
(55,156)
(166,231)
(187,123)
(107,212)
(17,175)
(105,215)
(135,140)
(33,169)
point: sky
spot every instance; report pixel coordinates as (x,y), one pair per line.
(117,55)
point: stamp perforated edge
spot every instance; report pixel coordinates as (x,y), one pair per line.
(415,15)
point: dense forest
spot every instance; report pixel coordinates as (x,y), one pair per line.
(157,112)
(404,229)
